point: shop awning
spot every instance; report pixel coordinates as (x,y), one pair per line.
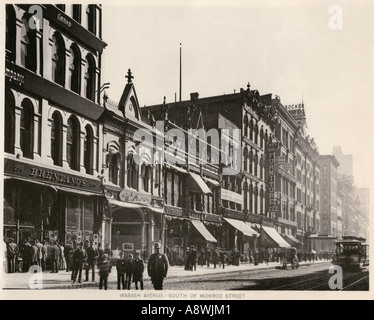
(272,238)
(76,191)
(213,182)
(125,204)
(203,231)
(243,227)
(8,178)
(291,240)
(198,184)
(176,168)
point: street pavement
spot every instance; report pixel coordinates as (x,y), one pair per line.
(62,280)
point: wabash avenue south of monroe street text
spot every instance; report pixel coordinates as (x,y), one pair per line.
(193,309)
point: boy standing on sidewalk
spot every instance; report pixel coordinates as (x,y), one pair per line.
(105,266)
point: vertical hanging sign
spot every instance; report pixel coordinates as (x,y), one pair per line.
(273,203)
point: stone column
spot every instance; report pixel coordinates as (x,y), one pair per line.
(37,133)
(81,158)
(17,137)
(65,164)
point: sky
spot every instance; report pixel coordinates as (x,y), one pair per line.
(281,47)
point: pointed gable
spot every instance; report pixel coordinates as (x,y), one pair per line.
(129,104)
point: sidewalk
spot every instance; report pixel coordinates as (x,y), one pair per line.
(62,280)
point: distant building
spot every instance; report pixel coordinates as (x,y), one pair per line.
(329,188)
(364,197)
(345,160)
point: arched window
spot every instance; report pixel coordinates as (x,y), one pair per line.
(27,129)
(262,200)
(262,137)
(73,143)
(251,162)
(266,138)
(256,200)
(9,133)
(146,174)
(56,139)
(75,69)
(132,172)
(28,46)
(251,129)
(245,190)
(255,171)
(89,78)
(77,12)
(91,18)
(256,133)
(250,198)
(10,38)
(58,59)
(113,164)
(245,125)
(262,167)
(88,150)
(245,156)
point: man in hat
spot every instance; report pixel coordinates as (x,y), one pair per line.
(121,270)
(79,257)
(92,255)
(138,271)
(158,266)
(129,271)
(12,252)
(55,256)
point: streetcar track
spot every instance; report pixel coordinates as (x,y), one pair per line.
(299,282)
(350,285)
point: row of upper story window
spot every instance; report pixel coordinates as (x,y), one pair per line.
(70,151)
(252,131)
(253,164)
(66,72)
(254,199)
(92,15)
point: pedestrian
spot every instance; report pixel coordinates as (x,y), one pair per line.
(187,265)
(266,256)
(34,253)
(69,251)
(208,257)
(55,256)
(222,256)
(215,258)
(92,255)
(104,266)
(79,257)
(121,271)
(11,254)
(44,256)
(193,258)
(138,271)
(129,271)
(158,266)
(62,256)
(40,251)
(26,255)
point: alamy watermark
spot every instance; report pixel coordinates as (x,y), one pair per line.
(336,18)
(210,146)
(336,281)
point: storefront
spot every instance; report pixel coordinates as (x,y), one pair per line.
(136,223)
(50,205)
(272,241)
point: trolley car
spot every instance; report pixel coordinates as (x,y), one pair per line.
(352,253)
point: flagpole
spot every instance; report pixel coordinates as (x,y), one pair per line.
(180,76)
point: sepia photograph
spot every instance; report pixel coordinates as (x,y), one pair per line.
(209,150)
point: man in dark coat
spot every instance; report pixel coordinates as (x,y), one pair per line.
(138,271)
(55,257)
(69,251)
(26,255)
(158,266)
(121,270)
(79,257)
(92,255)
(129,271)
(11,252)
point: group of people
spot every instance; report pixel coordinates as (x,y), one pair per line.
(76,257)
